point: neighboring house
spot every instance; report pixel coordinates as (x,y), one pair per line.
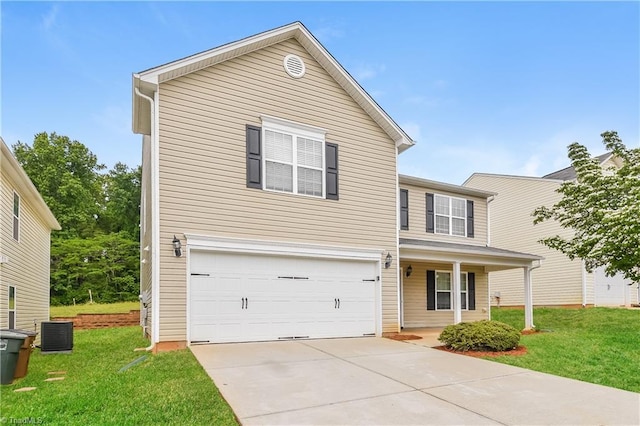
(559,281)
(270,201)
(25,233)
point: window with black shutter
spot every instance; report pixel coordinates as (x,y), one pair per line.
(404,209)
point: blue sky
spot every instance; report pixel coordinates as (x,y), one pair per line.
(489,87)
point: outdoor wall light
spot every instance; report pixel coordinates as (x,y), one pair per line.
(387,261)
(409,271)
(177,246)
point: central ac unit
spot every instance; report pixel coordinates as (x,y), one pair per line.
(57,336)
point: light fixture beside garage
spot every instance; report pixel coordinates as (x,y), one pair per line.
(177,246)
(409,271)
(387,261)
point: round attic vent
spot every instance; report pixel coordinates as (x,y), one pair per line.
(294,66)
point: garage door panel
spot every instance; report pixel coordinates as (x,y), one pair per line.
(240,297)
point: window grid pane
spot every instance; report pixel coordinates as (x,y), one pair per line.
(443,300)
(309,153)
(442,224)
(443,281)
(279,176)
(457,226)
(278,146)
(458,208)
(309,181)
(16,205)
(442,205)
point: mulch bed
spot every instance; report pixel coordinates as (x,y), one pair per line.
(520,350)
(403,337)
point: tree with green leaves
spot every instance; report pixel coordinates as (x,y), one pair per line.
(66,174)
(98,247)
(602,208)
(122,187)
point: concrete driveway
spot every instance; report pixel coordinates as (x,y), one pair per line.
(375,381)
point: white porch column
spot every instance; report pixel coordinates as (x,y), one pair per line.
(457,299)
(528,299)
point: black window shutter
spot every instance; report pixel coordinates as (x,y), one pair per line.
(254,157)
(404,209)
(469,218)
(431,290)
(331,154)
(471,290)
(430,215)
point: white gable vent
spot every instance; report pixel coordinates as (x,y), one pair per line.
(294,66)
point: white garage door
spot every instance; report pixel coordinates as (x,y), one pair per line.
(241,298)
(611,291)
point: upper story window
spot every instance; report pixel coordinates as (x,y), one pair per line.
(291,157)
(16,216)
(449,215)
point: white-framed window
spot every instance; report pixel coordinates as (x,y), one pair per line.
(444,291)
(16,216)
(450,215)
(12,306)
(294,157)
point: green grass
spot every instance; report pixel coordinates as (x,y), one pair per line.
(167,388)
(94,308)
(597,345)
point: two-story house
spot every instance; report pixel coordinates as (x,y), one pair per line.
(271,207)
(25,231)
(560,281)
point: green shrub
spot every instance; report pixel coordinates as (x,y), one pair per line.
(480,336)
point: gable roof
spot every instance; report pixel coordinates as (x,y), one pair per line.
(26,189)
(442,186)
(569,173)
(147,81)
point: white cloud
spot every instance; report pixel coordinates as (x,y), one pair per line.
(366,72)
(49,19)
(328,33)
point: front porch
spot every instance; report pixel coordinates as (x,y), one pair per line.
(446,283)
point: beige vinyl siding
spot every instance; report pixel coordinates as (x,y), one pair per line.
(418,217)
(27,267)
(146,229)
(559,280)
(203,173)
(415,296)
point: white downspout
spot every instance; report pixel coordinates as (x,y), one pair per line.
(489,200)
(155,214)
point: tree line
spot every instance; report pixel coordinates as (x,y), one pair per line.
(97,249)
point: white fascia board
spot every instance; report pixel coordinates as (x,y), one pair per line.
(434,255)
(237,245)
(443,186)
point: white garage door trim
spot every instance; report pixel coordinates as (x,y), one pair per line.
(246,246)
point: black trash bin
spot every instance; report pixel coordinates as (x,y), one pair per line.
(10,343)
(22,365)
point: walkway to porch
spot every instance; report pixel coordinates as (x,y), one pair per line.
(429,335)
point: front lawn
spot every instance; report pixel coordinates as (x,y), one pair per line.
(597,345)
(167,388)
(93,308)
